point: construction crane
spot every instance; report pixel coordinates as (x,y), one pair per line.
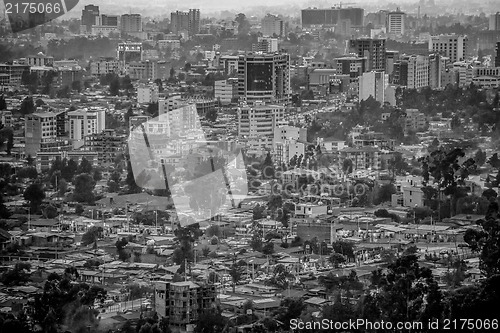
(339,5)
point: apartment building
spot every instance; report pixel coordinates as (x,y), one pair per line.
(452,46)
(259,120)
(85,122)
(147,94)
(107,144)
(41,128)
(183,302)
(272,25)
(104,66)
(371,48)
(225,91)
(363,158)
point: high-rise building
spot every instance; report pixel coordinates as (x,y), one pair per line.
(373,84)
(352,66)
(264,77)
(497,55)
(453,46)
(226,90)
(193,22)
(437,67)
(131,23)
(396,22)
(39,128)
(272,25)
(89,15)
(179,21)
(390,58)
(372,49)
(84,122)
(259,121)
(412,71)
(331,16)
(495,21)
(107,20)
(185,21)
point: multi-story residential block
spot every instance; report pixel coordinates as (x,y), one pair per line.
(131,23)
(183,302)
(104,66)
(85,122)
(437,66)
(415,120)
(454,47)
(364,158)
(39,59)
(12,75)
(259,120)
(396,22)
(391,57)
(352,66)
(6,118)
(497,54)
(272,25)
(226,91)
(143,70)
(265,45)
(44,159)
(173,44)
(374,139)
(41,128)
(264,77)
(372,49)
(147,94)
(373,84)
(106,144)
(412,71)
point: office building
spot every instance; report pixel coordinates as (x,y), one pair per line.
(495,22)
(85,122)
(454,47)
(312,17)
(437,67)
(390,58)
(412,71)
(264,77)
(396,23)
(226,91)
(371,49)
(183,302)
(89,15)
(131,23)
(373,84)
(272,26)
(259,120)
(129,52)
(107,20)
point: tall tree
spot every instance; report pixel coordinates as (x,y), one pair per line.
(35,194)
(84,188)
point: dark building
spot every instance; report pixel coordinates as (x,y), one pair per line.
(332,16)
(264,77)
(89,15)
(189,21)
(400,73)
(352,66)
(497,55)
(373,49)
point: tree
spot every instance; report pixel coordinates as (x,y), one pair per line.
(211,115)
(236,273)
(35,194)
(398,165)
(16,276)
(344,248)
(385,193)
(84,188)
(243,24)
(84,167)
(268,248)
(27,106)
(91,235)
(256,242)
(27,172)
(447,170)
(336,259)
(267,167)
(120,244)
(480,157)
(114,86)
(210,321)
(494,161)
(3,103)
(213,230)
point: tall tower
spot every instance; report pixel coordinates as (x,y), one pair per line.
(373,49)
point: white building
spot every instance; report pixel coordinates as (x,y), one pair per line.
(147,94)
(495,21)
(451,46)
(272,25)
(373,84)
(173,44)
(259,120)
(84,122)
(226,90)
(289,133)
(418,71)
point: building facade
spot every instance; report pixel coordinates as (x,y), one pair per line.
(272,25)
(372,49)
(131,23)
(454,47)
